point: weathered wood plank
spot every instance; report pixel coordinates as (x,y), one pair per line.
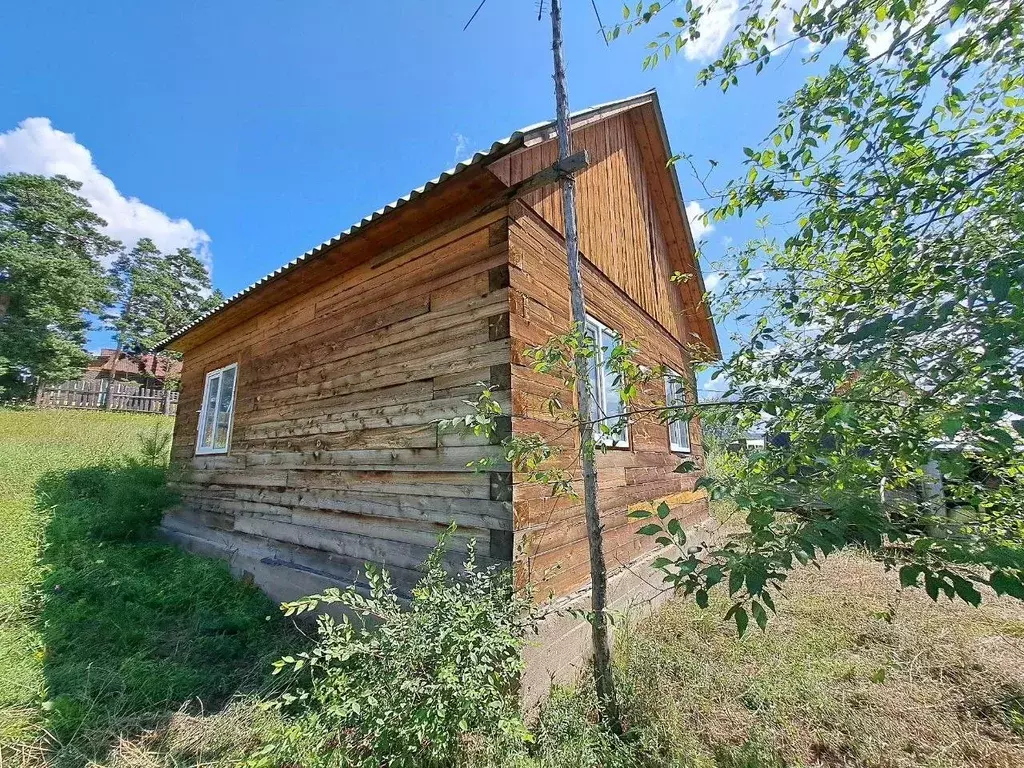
(550,532)
(336,456)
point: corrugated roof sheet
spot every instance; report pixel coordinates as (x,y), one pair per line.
(497,149)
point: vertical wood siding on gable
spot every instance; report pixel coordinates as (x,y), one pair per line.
(335,457)
(620,227)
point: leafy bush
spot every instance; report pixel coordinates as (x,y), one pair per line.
(722,464)
(396,685)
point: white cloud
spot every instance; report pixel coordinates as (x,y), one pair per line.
(461,145)
(880,41)
(953,36)
(715,25)
(712,281)
(933,11)
(720,18)
(695,213)
(709,389)
(35,146)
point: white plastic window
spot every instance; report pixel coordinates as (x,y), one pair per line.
(679,429)
(218,411)
(606,396)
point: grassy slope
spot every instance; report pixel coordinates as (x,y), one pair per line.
(33,444)
(115,631)
(102,628)
(854,672)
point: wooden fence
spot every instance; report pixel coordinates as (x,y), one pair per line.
(100,394)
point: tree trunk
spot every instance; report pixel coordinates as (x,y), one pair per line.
(603,679)
(113,372)
(125,312)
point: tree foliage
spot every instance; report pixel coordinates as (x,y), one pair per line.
(886,313)
(54,277)
(51,273)
(157,294)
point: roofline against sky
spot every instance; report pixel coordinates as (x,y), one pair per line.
(497,150)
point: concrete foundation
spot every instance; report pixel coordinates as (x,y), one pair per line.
(562,647)
(271,569)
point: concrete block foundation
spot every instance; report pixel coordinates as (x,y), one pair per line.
(562,648)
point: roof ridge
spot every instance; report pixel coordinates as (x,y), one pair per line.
(502,146)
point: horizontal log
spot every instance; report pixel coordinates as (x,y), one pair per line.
(470,513)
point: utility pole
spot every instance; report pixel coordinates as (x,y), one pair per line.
(603,679)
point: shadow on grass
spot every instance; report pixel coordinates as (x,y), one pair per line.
(134,628)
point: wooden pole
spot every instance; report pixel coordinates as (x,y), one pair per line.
(603,679)
(113,372)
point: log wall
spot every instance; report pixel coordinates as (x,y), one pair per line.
(551,540)
(335,458)
(345,366)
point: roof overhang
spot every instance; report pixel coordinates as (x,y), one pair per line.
(706,330)
(453,192)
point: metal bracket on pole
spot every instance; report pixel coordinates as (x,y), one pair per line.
(563,169)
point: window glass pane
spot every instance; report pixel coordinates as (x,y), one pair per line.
(209,403)
(607,400)
(596,406)
(613,402)
(612,394)
(227,392)
(678,431)
(674,391)
(596,410)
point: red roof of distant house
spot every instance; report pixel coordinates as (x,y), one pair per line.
(148,364)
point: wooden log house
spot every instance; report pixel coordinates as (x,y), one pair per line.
(309,401)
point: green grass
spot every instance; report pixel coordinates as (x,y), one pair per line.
(119,649)
(105,630)
(32,445)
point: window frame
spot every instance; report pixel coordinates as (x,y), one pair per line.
(204,415)
(672,376)
(601,395)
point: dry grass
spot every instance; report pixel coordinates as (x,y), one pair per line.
(853,673)
(197,739)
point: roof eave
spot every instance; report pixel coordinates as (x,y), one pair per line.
(498,150)
(524,137)
(716,346)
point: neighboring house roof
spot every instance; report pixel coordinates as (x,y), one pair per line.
(523,137)
(148,364)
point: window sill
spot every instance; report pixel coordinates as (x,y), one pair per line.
(211,451)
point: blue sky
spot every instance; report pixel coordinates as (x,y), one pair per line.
(253,131)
